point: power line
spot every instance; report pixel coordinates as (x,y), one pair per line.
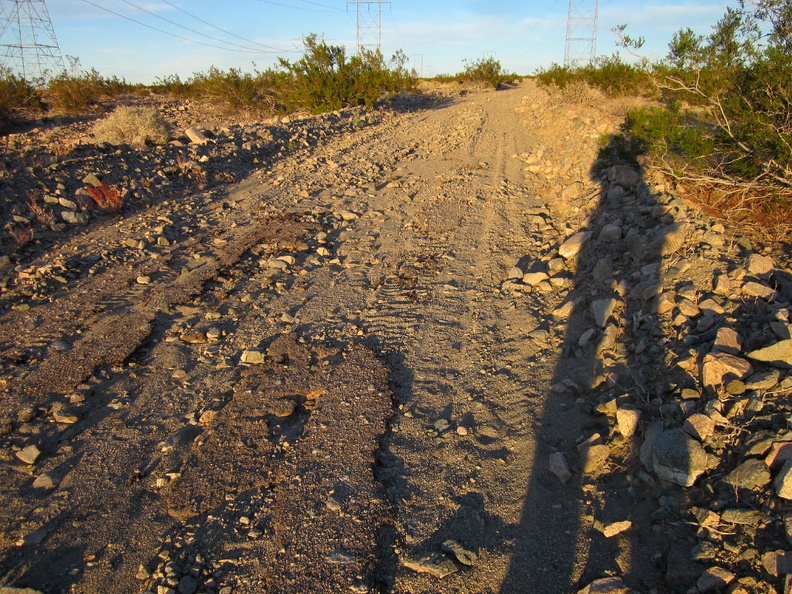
(183,38)
(175,24)
(300,7)
(334,8)
(205,22)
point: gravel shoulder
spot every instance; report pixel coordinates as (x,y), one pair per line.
(443,348)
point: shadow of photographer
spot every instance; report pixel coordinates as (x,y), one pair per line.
(583,518)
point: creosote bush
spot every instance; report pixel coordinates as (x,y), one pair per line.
(132,125)
(16,94)
(76,90)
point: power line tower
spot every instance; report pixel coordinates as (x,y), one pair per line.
(581,37)
(369,23)
(29,46)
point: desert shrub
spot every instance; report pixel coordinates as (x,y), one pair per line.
(76,90)
(132,125)
(609,74)
(733,141)
(15,94)
(556,75)
(173,85)
(488,71)
(236,90)
(325,79)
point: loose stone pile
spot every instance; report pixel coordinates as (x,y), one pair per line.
(677,338)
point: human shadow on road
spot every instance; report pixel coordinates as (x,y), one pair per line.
(612,358)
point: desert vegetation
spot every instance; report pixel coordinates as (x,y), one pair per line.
(721,126)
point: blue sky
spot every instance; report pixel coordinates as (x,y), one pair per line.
(437,35)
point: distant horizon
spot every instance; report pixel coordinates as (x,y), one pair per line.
(144,41)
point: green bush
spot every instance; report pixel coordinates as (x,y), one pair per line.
(16,94)
(734,138)
(76,90)
(132,125)
(236,90)
(488,71)
(609,74)
(324,79)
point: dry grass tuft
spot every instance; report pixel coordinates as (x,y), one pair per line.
(132,125)
(579,92)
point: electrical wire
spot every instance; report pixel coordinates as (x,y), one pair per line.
(298,7)
(205,22)
(183,38)
(334,8)
(175,24)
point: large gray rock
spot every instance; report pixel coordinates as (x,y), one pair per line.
(680,459)
(603,309)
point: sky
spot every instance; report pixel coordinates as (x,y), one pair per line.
(144,40)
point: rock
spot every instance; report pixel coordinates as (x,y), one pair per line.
(778,354)
(252,357)
(188,585)
(339,557)
(613,528)
(66,203)
(602,309)
(515,273)
(754,289)
(74,218)
(464,555)
(437,565)
(572,246)
(763,380)
(65,417)
(751,474)
(191,336)
(678,458)
(688,308)
(718,369)
(559,467)
(783,482)
(29,454)
(780,453)
(727,341)
(714,578)
(92,180)
(742,517)
(532,279)
(671,239)
(195,135)
(759,265)
(777,562)
(699,426)
(627,420)
(566,309)
(610,233)
(610,585)
(624,176)
(44,481)
(593,459)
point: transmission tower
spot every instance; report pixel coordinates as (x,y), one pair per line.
(369,23)
(581,37)
(28,40)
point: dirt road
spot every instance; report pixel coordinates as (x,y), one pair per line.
(324,379)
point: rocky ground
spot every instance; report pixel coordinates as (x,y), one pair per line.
(440,347)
